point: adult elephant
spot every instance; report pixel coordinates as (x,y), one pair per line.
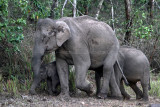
(83,41)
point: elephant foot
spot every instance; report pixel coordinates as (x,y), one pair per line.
(145,99)
(102,95)
(97,93)
(126,97)
(55,93)
(116,97)
(138,97)
(91,91)
(64,97)
(32,92)
(50,92)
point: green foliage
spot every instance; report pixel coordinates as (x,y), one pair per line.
(11,31)
(49,58)
(82,5)
(11,26)
(39,10)
(72,84)
(12,86)
(43,86)
(140,28)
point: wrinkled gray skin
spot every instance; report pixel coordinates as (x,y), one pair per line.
(82,41)
(49,72)
(135,66)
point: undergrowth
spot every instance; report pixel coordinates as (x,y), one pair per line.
(155,86)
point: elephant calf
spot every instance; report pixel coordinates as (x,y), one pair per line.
(135,66)
(49,72)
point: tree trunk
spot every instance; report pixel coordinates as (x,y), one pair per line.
(128,20)
(151,8)
(86,9)
(52,9)
(74,8)
(99,8)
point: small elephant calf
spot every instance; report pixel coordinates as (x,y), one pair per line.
(135,66)
(49,71)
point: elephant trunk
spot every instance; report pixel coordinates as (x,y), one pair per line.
(36,81)
(36,63)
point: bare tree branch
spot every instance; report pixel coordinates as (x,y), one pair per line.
(52,8)
(99,8)
(128,20)
(74,8)
(112,13)
(65,2)
(157,4)
(151,5)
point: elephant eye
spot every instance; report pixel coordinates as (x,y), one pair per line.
(51,33)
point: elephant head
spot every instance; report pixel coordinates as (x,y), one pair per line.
(48,70)
(49,36)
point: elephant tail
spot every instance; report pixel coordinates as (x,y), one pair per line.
(124,77)
(149,87)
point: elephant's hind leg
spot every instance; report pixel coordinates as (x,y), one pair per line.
(135,88)
(124,93)
(145,92)
(113,87)
(107,74)
(145,85)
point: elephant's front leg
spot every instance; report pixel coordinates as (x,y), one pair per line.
(82,64)
(62,69)
(49,86)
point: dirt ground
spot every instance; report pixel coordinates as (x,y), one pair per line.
(80,100)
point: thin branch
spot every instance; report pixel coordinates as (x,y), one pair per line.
(65,2)
(157,4)
(153,70)
(74,10)
(112,12)
(52,9)
(128,19)
(99,8)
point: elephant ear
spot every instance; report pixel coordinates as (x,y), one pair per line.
(63,33)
